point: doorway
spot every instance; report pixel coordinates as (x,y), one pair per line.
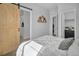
(55,26)
(68,24)
(24,24)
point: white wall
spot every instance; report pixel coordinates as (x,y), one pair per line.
(38,29)
(70,19)
(25,17)
(69,23)
(69,15)
(27,25)
(77,22)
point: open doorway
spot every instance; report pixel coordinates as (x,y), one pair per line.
(55,26)
(24,24)
(68,24)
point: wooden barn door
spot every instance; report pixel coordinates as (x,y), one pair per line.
(9,25)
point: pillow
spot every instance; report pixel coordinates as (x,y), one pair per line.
(65,44)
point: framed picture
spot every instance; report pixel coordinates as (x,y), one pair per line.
(41,19)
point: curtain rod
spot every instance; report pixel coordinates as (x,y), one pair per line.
(22,6)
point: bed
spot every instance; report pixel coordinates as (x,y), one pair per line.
(74,49)
(43,46)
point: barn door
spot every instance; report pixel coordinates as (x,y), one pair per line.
(9,24)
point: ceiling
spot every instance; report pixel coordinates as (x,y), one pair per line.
(48,6)
(51,6)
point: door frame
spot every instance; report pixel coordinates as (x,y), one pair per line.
(30,20)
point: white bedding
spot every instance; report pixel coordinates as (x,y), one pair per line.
(74,49)
(29,48)
(48,47)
